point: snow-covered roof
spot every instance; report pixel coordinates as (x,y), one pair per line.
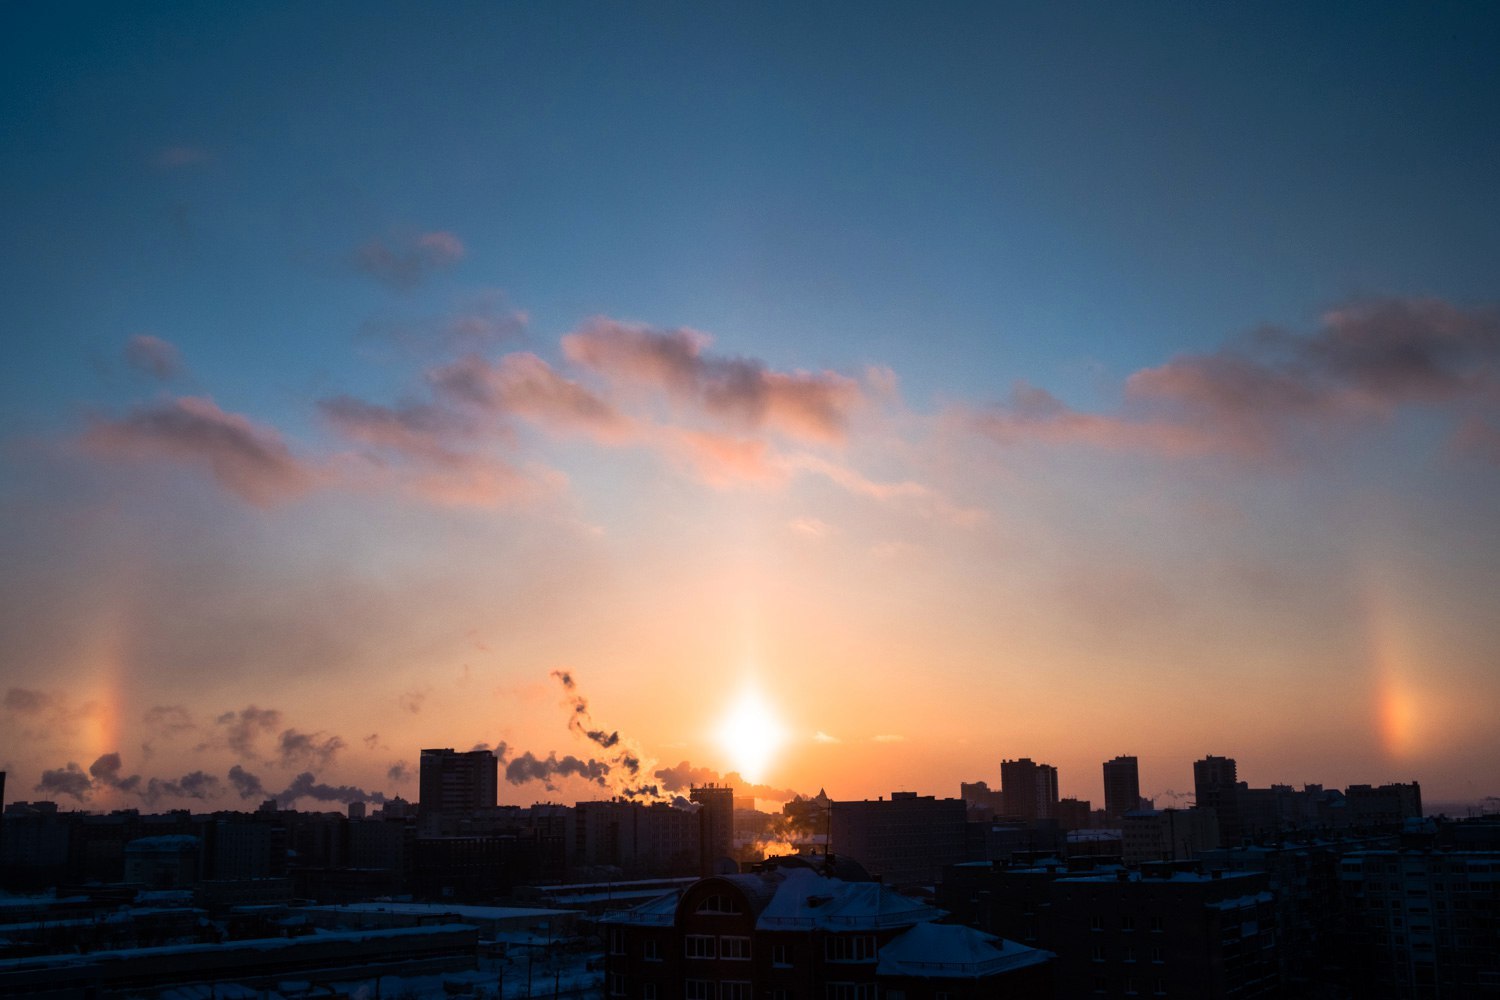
(439,909)
(806,899)
(952,951)
(659,912)
(1240,902)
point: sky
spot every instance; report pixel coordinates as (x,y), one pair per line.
(894,388)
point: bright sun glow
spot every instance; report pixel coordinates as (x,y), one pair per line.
(750,734)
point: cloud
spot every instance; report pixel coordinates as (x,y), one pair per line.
(25,701)
(106,771)
(740,392)
(418,450)
(249,460)
(295,748)
(70,780)
(43,714)
(528,767)
(524,385)
(194,785)
(307,786)
(168,720)
(405,263)
(1261,396)
(685,775)
(153,356)
(477,325)
(888,738)
(822,737)
(1035,415)
(412,701)
(246,784)
(243,728)
(399,772)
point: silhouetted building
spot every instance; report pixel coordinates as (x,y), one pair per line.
(452,783)
(1385,806)
(166,862)
(1122,787)
(984,802)
(716,826)
(1074,814)
(1030,789)
(1167,834)
(906,839)
(1216,787)
(639,840)
(1423,923)
(1163,931)
(790,933)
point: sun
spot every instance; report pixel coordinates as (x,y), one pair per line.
(750,734)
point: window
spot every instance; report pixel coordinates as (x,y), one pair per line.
(1156,925)
(734,991)
(1158,953)
(734,947)
(849,991)
(699,945)
(617,941)
(781,955)
(1098,953)
(1127,923)
(721,904)
(1096,923)
(617,984)
(648,991)
(780,993)
(850,948)
(651,950)
(698,989)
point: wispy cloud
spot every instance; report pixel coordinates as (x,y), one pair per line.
(153,356)
(249,460)
(404,263)
(741,392)
(1259,397)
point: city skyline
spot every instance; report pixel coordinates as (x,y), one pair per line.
(898,394)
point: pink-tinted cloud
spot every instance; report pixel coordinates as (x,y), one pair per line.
(525,385)
(153,356)
(405,263)
(247,459)
(741,392)
(1260,397)
(723,461)
(422,432)
(1035,415)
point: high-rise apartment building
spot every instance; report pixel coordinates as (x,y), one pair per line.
(1030,789)
(1122,786)
(1216,787)
(453,783)
(715,824)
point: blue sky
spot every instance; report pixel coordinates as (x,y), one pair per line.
(892,214)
